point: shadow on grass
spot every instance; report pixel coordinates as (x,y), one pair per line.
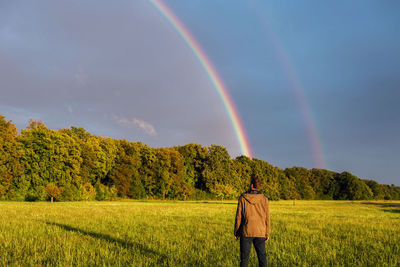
(388,207)
(136,247)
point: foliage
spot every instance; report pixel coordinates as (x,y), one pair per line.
(70,193)
(352,187)
(50,157)
(53,191)
(88,192)
(90,167)
(124,175)
(224,191)
(10,166)
(194,156)
(104,192)
(218,170)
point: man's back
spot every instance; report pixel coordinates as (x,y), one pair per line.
(252,223)
(252,216)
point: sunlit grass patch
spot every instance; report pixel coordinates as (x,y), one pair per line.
(167,233)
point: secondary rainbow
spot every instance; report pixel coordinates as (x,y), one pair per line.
(211,72)
(305,109)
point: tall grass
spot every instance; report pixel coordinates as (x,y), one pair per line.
(309,233)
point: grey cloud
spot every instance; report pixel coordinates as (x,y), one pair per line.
(76,62)
(134,122)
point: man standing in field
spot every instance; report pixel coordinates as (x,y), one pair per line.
(252,223)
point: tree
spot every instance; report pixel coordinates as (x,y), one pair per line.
(104,192)
(50,157)
(125,173)
(352,188)
(147,170)
(288,187)
(98,154)
(270,177)
(243,168)
(70,193)
(218,168)
(88,192)
(169,171)
(10,167)
(194,156)
(224,191)
(303,178)
(185,191)
(53,191)
(323,183)
(40,160)
(377,190)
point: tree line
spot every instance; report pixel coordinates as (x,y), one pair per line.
(71,164)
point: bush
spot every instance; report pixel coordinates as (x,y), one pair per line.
(36,194)
(202,195)
(70,193)
(271,194)
(138,191)
(105,193)
(88,192)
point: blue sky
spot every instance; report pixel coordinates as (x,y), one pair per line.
(122,71)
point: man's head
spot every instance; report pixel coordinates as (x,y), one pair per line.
(255,183)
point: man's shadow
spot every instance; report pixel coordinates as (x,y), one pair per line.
(136,247)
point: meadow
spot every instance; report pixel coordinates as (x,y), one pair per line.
(168,233)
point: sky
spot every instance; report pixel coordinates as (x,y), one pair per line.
(316,83)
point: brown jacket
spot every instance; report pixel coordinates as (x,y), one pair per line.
(252,215)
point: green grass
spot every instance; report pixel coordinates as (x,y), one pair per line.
(311,233)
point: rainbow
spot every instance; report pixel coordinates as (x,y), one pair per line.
(211,72)
(305,109)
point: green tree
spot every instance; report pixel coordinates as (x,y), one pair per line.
(269,176)
(242,166)
(11,184)
(169,171)
(147,170)
(70,192)
(323,183)
(303,178)
(377,189)
(50,157)
(219,169)
(98,154)
(352,188)
(104,192)
(88,192)
(195,157)
(288,187)
(86,167)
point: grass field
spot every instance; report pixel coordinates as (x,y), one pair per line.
(311,233)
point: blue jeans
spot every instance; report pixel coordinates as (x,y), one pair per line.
(259,245)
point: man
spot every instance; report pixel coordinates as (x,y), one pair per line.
(252,223)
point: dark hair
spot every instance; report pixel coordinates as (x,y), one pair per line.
(255,182)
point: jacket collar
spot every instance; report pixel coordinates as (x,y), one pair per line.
(253,192)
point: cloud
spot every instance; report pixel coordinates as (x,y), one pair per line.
(134,122)
(145,126)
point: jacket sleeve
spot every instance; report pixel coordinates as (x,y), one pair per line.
(267,219)
(238,219)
